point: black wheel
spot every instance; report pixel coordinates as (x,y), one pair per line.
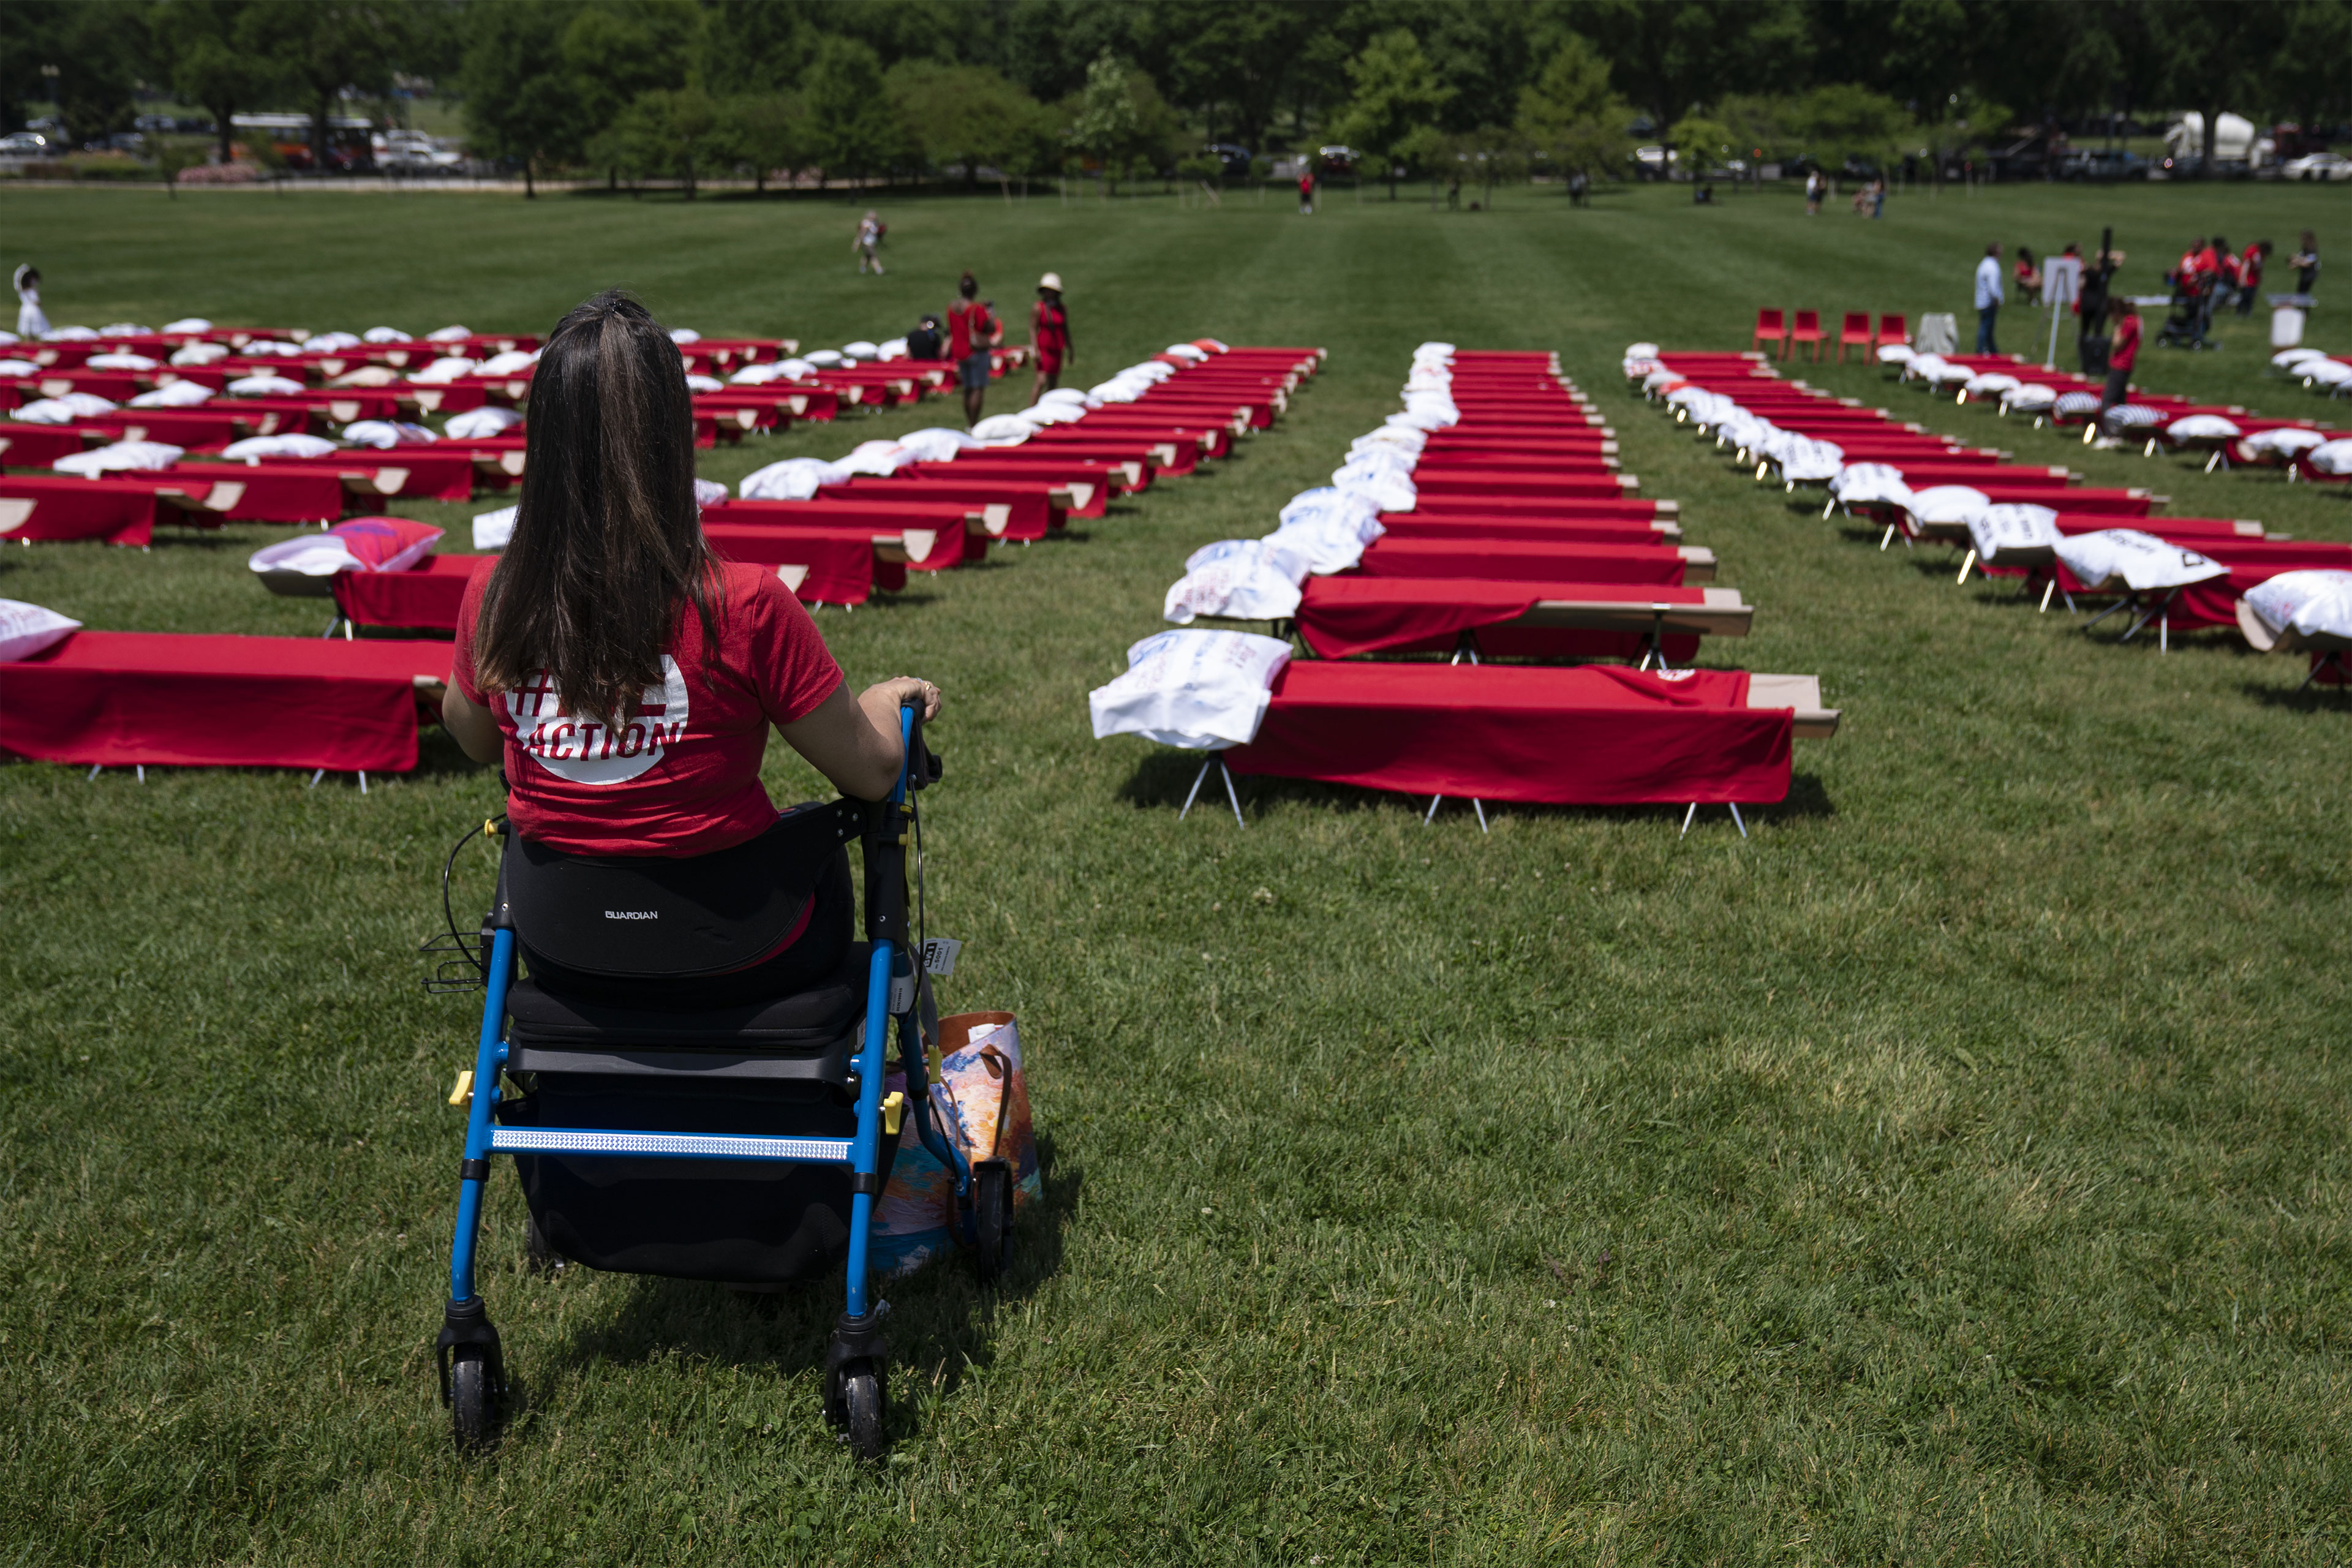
(473,1399)
(991,1220)
(536,1254)
(865,1401)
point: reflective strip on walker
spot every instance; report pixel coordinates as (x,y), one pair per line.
(676,1145)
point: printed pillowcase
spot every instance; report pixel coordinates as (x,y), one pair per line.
(27,629)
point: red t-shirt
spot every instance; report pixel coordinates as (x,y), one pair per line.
(2125,353)
(968,329)
(681,775)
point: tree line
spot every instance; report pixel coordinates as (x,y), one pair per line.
(868,88)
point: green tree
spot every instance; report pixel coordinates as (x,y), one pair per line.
(1847,122)
(219,58)
(1700,144)
(521,100)
(968,115)
(323,47)
(854,127)
(1120,121)
(1394,93)
(1572,112)
(769,130)
(1668,55)
(670,131)
(616,49)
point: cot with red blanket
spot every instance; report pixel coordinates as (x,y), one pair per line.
(1590,735)
(53,507)
(1534,530)
(190,431)
(1537,560)
(1340,617)
(140,698)
(928,536)
(38,445)
(1007,510)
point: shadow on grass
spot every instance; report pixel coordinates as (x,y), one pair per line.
(944,1321)
(2312,699)
(1162,779)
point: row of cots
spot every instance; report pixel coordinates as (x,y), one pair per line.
(2229,435)
(1486,517)
(2032,522)
(134,698)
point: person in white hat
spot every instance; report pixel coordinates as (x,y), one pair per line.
(1049,335)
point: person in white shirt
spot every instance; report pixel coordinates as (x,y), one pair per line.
(1989,298)
(31,324)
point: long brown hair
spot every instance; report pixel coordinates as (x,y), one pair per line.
(607,548)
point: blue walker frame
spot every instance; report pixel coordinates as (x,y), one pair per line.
(892,991)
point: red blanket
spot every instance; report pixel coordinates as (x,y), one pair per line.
(937,534)
(1515,558)
(426,596)
(56,506)
(1597,735)
(821,565)
(120,698)
(1341,617)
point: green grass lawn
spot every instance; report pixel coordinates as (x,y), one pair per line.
(1953,1171)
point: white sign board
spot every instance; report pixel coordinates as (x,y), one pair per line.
(2061,280)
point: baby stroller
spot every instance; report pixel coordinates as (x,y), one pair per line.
(2191,313)
(745,1144)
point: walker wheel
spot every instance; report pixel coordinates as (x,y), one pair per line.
(991,1223)
(473,1401)
(865,1403)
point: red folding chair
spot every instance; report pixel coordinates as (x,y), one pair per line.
(1769,327)
(1808,330)
(1891,330)
(1855,334)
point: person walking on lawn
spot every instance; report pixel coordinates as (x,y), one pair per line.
(1988,298)
(972,330)
(1049,335)
(867,243)
(1306,192)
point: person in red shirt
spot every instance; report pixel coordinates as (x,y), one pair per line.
(971,332)
(2249,273)
(1049,335)
(2123,353)
(624,677)
(1306,192)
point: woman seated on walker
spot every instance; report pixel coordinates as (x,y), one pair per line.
(626,678)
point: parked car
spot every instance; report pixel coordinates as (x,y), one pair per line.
(2101,164)
(23,144)
(2317,166)
(1234,159)
(1338,159)
(121,142)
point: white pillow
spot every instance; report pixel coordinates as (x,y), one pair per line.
(880,458)
(1240,579)
(794,478)
(514,362)
(329,343)
(64,410)
(824,358)
(2015,528)
(120,456)
(1202,691)
(2201,427)
(2307,603)
(705,384)
(120,361)
(1949,503)
(758,375)
(175,395)
(861,351)
(2138,561)
(1004,430)
(493,528)
(891,348)
(449,335)
(188,324)
(385,335)
(709,492)
(385,434)
(26,629)
(199,354)
(684,335)
(264,384)
(253,448)
(477,424)
(937,444)
(2285,440)
(445,370)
